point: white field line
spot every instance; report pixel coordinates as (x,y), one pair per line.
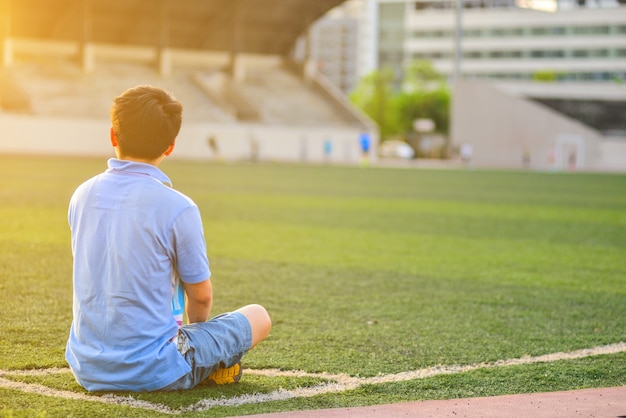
(442,370)
(65,394)
(337,382)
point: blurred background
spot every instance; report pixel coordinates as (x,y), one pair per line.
(517,84)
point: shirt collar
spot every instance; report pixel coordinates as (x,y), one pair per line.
(138,168)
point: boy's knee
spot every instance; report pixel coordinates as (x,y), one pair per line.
(260,321)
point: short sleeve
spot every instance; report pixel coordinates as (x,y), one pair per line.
(191,258)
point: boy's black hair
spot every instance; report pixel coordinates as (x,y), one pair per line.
(146,121)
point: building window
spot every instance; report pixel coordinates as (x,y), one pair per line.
(550,31)
(547,54)
(594,76)
(591,30)
(432,34)
(437,55)
(472,33)
(505,54)
(600,53)
(590,53)
(423,5)
(504,32)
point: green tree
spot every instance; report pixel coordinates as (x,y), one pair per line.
(423,104)
(547,76)
(425,95)
(374,95)
(421,75)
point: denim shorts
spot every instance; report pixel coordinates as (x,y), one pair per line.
(207,346)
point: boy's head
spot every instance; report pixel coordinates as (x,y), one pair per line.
(146,121)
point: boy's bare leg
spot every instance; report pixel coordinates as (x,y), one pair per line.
(260,322)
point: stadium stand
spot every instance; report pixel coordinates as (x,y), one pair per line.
(227,61)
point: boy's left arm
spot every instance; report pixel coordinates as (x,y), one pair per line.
(199,300)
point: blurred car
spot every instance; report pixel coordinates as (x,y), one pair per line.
(395,149)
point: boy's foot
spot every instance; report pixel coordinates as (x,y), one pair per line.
(224,375)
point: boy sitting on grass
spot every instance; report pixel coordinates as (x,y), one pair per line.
(133,239)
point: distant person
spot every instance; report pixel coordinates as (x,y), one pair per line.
(135,240)
(214,146)
(571,161)
(328,150)
(365,142)
(255,148)
(526,158)
(466,154)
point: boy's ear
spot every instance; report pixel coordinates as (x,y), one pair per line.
(113,137)
(169,150)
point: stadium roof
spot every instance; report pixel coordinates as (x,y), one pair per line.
(248,26)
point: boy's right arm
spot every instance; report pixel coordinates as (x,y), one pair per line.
(199,300)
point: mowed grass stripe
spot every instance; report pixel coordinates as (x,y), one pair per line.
(502,260)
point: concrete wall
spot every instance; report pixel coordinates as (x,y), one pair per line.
(504,131)
(613,154)
(30,135)
(21,134)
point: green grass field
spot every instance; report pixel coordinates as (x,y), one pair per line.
(365,271)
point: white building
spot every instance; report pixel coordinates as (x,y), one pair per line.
(571,59)
(503,41)
(342,46)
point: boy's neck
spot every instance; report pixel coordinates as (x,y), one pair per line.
(155,162)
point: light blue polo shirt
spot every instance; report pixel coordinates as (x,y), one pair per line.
(131,235)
